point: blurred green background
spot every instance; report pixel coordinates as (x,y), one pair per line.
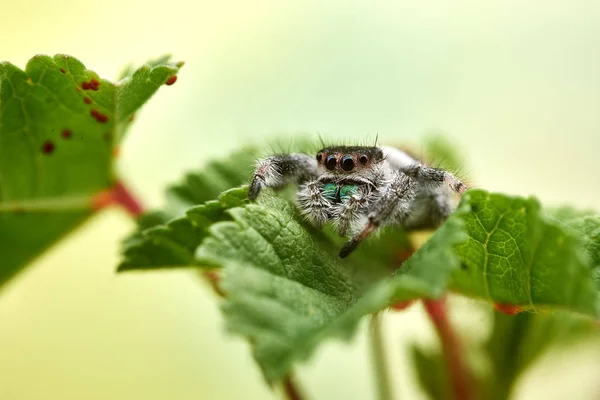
(515,84)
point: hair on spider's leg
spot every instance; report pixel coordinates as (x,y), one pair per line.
(349,212)
(435,177)
(393,207)
(313,204)
(279,170)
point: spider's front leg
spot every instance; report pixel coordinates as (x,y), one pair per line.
(279,170)
(393,207)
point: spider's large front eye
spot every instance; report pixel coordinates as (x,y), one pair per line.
(331,162)
(347,163)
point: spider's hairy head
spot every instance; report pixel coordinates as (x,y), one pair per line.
(349,159)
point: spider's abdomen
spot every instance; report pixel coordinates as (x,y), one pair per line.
(338,193)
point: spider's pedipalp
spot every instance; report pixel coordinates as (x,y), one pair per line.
(313,204)
(350,211)
(393,207)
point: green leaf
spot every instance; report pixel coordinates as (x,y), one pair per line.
(516,255)
(528,336)
(213,179)
(161,239)
(586,226)
(59,127)
(173,244)
(441,153)
(431,373)
(287,290)
(168,239)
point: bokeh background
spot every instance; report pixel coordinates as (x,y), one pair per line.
(515,84)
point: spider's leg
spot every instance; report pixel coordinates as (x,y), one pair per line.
(393,207)
(425,175)
(279,170)
(434,178)
(313,204)
(436,196)
(350,211)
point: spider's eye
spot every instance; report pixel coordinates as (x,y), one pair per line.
(319,157)
(363,159)
(331,162)
(347,163)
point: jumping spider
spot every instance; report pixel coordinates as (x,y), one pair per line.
(360,189)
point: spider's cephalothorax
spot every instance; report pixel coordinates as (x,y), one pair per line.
(360,189)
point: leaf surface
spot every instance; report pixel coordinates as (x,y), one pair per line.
(287,290)
(516,255)
(59,127)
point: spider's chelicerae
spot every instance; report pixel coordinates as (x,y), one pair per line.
(361,189)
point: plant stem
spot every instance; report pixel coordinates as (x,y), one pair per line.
(457,371)
(382,377)
(119,194)
(290,389)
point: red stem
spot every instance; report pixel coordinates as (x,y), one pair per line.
(290,389)
(120,195)
(457,370)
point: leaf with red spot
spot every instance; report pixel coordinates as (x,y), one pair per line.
(55,154)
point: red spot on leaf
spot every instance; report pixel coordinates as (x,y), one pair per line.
(116,151)
(48,147)
(99,116)
(403,305)
(66,134)
(87,100)
(171,80)
(62,70)
(18,210)
(509,309)
(93,84)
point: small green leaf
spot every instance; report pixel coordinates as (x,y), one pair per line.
(160,238)
(528,336)
(515,255)
(213,179)
(59,126)
(586,226)
(173,244)
(432,373)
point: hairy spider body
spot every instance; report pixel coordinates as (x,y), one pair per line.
(361,189)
